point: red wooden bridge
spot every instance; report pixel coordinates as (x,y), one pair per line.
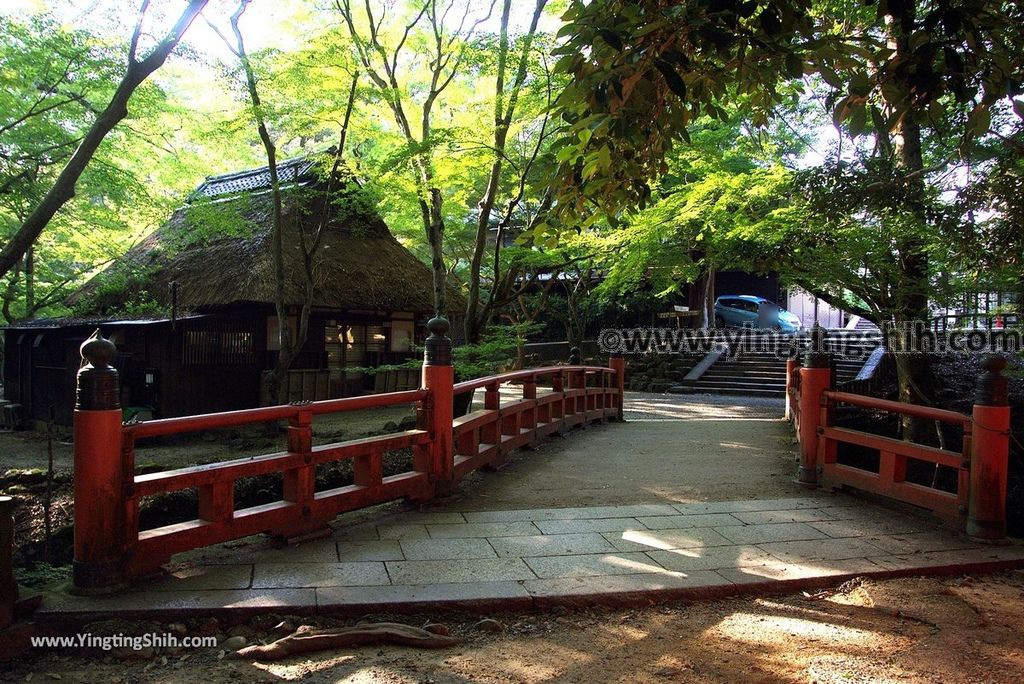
(110,547)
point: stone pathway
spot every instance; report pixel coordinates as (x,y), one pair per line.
(526,557)
(518,559)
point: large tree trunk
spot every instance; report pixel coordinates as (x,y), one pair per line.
(913,371)
(289,347)
(477,316)
(117,109)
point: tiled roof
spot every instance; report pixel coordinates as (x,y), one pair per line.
(253,180)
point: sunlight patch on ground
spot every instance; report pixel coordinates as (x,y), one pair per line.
(648,539)
(809,613)
(625,632)
(287,670)
(645,568)
(752,628)
(740,445)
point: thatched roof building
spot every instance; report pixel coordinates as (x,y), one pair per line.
(191,307)
(218,250)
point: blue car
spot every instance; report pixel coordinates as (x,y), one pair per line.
(747,311)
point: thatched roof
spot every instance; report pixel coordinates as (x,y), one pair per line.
(218,250)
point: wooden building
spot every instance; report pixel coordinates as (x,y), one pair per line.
(203,286)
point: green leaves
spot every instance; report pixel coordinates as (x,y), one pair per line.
(978,121)
(674,81)
(611,38)
(794,65)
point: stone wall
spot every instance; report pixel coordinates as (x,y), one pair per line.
(657,372)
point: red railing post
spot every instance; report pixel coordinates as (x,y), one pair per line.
(578,381)
(618,364)
(299,484)
(439,380)
(528,417)
(558,406)
(990,449)
(99,474)
(8,587)
(815,379)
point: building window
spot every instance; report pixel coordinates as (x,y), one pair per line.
(218,348)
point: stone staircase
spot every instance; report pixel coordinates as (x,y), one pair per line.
(763,373)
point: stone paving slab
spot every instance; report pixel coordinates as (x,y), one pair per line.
(694,520)
(577,513)
(446,549)
(474,570)
(504,595)
(770,532)
(488,560)
(594,564)
(372,550)
(646,540)
(550,545)
(592,525)
(714,558)
(201,578)
(284,575)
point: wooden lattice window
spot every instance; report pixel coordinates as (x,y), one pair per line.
(218,345)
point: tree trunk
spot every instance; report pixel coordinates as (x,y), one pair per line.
(63,189)
(913,371)
(475,318)
(30,280)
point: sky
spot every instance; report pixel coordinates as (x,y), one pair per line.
(266,24)
(279,24)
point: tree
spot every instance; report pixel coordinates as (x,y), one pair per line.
(477,177)
(309,240)
(901,71)
(138,69)
(504,112)
(722,197)
(444,52)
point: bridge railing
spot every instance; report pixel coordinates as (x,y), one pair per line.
(576,395)
(110,547)
(977,502)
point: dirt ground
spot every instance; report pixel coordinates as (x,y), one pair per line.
(916,630)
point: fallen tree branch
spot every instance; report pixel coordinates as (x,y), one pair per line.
(306,640)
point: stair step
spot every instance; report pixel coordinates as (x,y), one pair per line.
(778,387)
(760,377)
(711,389)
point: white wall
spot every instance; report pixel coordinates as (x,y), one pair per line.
(809,309)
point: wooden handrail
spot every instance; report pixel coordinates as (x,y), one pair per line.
(897,407)
(211,421)
(501,378)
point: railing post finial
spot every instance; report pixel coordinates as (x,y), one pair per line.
(817,355)
(992,389)
(100,511)
(438,347)
(99,384)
